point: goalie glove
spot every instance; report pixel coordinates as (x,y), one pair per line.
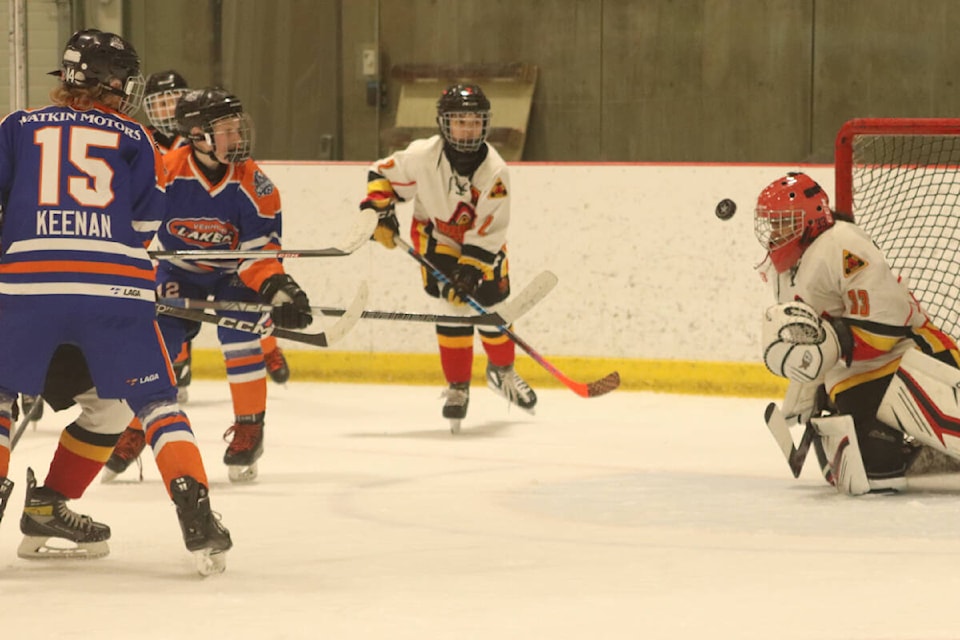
(291,306)
(797,343)
(464,282)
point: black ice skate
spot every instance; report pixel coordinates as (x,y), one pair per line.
(128,448)
(6,489)
(455,408)
(506,382)
(203,534)
(46,516)
(277,366)
(246,447)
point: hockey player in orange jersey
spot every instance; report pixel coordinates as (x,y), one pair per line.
(219,198)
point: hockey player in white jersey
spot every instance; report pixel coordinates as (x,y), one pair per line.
(843,320)
(460,189)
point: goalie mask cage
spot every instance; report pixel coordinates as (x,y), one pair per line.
(899,178)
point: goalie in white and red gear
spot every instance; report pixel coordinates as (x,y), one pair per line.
(832,265)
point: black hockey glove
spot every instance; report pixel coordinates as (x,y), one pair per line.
(291,306)
(388,227)
(464,281)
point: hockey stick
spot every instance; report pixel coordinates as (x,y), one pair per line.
(359,235)
(795,455)
(27,418)
(350,317)
(586,390)
(509,311)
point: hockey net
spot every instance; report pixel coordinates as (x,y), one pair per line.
(900,180)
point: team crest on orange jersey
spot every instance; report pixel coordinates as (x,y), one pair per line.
(498,190)
(204,233)
(852,263)
(261,184)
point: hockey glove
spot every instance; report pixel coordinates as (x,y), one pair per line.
(464,281)
(291,306)
(388,227)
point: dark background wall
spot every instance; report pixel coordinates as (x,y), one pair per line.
(619,80)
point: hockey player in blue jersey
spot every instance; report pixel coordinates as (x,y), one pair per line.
(82,190)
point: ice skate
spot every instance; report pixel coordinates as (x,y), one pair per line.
(509,384)
(128,448)
(6,490)
(203,534)
(277,367)
(246,447)
(46,516)
(455,408)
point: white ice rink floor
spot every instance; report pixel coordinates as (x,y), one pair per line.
(635,515)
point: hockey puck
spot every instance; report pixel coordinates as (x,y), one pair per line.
(726,208)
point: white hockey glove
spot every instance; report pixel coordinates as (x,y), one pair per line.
(797,343)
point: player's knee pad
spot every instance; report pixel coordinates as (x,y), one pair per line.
(102,415)
(797,343)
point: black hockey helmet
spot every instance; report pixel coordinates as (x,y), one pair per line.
(163,90)
(463,102)
(203,109)
(94,58)
(164,81)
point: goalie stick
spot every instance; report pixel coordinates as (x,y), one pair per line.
(586,390)
(509,311)
(349,318)
(780,430)
(359,235)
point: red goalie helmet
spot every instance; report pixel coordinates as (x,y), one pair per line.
(791,212)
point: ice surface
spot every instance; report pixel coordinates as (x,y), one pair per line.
(634,515)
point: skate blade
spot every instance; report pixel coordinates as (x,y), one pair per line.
(52,548)
(454,425)
(242,472)
(210,562)
(108,476)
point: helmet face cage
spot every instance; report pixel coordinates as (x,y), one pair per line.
(231,137)
(132,95)
(465,131)
(463,115)
(161,109)
(791,212)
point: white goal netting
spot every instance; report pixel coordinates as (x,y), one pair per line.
(900,179)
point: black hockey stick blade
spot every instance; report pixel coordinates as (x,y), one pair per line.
(322,339)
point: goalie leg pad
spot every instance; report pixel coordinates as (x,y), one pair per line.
(922,401)
(840,445)
(797,343)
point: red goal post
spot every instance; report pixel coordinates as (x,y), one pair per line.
(899,179)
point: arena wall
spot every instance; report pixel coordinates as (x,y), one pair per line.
(651,283)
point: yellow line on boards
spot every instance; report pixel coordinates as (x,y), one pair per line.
(666,376)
